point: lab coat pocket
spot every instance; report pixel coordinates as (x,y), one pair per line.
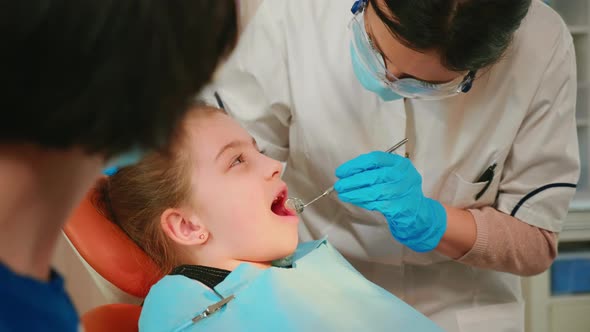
(461,193)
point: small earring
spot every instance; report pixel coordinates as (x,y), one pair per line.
(202,236)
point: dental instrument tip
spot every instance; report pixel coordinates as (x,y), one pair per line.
(295,204)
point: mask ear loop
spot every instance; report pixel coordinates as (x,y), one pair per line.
(110,171)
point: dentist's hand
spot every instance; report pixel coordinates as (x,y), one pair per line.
(390,184)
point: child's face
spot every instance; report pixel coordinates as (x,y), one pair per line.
(235,191)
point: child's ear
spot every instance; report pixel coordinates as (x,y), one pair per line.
(183,228)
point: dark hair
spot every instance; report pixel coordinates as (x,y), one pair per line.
(468,34)
(106,75)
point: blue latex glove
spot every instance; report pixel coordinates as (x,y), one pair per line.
(389,183)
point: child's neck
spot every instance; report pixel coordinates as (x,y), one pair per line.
(226,263)
(38,191)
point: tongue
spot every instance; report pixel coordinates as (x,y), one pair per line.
(279,208)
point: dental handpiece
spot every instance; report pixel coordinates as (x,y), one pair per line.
(297,205)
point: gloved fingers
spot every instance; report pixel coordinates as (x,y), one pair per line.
(391,193)
(369,161)
(375,206)
(400,225)
(367,179)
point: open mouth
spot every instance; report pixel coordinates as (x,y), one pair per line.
(278,205)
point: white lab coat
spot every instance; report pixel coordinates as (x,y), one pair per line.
(291,84)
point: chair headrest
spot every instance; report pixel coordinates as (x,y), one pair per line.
(112,317)
(109,251)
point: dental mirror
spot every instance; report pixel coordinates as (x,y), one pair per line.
(297,205)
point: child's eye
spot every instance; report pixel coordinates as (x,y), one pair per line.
(238,160)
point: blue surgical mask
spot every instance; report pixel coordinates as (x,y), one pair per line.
(369,81)
(122,160)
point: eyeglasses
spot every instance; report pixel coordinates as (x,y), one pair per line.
(373,61)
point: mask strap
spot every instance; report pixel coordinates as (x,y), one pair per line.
(468,81)
(359,6)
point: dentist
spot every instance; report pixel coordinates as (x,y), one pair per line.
(484,91)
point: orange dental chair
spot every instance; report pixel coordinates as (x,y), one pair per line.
(117,259)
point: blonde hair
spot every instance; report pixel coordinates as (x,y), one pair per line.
(136,196)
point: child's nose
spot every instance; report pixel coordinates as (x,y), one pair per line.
(273,167)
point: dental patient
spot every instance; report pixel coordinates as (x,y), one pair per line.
(211,214)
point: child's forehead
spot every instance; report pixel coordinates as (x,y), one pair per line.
(216,125)
(211,132)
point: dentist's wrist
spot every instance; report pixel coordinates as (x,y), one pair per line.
(460,233)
